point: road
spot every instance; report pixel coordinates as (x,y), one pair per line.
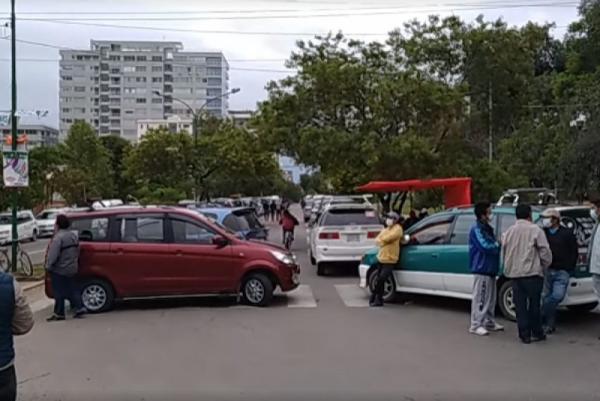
(321,342)
(36,250)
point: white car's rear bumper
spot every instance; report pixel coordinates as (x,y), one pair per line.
(340,254)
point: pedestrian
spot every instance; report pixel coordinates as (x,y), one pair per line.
(594,248)
(424,213)
(526,253)
(62,264)
(273,209)
(412,219)
(484,261)
(565,252)
(16,319)
(388,242)
(265,209)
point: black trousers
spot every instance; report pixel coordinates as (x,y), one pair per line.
(8,384)
(65,288)
(384,271)
(527,295)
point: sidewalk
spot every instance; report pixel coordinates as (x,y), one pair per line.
(34,291)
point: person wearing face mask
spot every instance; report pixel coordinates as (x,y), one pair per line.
(484,261)
(594,248)
(388,242)
(563,245)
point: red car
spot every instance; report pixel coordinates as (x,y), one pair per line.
(141,252)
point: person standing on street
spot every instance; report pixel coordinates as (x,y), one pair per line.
(62,264)
(563,245)
(594,248)
(484,261)
(16,318)
(412,219)
(273,209)
(526,253)
(388,242)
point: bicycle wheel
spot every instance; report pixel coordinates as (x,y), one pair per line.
(4,261)
(25,264)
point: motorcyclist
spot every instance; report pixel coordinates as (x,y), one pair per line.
(288,222)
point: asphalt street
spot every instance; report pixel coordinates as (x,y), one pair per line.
(36,250)
(320,342)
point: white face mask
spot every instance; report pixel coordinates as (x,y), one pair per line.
(594,214)
(389,222)
(547,223)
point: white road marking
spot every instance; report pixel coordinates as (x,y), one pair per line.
(301,297)
(352,295)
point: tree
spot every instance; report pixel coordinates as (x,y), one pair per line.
(118,149)
(86,173)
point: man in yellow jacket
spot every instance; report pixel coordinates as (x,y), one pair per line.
(388,242)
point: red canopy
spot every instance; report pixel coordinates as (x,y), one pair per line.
(457,191)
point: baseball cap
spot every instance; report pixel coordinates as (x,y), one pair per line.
(551,213)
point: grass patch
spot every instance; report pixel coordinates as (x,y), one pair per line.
(38,274)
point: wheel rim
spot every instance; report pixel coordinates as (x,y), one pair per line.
(254,290)
(94,297)
(509,302)
(388,288)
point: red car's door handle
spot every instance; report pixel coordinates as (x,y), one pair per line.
(178,252)
(119,251)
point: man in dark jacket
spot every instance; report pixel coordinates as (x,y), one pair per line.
(484,261)
(16,318)
(563,245)
(62,264)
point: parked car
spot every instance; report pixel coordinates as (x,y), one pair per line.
(242,220)
(27,228)
(162,252)
(342,235)
(46,220)
(435,260)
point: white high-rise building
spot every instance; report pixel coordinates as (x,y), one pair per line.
(114,84)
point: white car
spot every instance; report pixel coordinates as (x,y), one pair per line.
(27,228)
(46,220)
(342,234)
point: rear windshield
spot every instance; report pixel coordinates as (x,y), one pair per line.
(5,219)
(350,217)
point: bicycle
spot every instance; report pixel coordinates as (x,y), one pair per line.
(24,263)
(288,238)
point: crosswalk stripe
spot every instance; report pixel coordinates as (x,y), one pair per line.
(301,297)
(352,295)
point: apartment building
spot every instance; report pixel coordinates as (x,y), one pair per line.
(116,83)
(37,134)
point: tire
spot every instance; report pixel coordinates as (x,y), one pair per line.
(257,290)
(97,296)
(313,261)
(583,307)
(34,236)
(321,269)
(505,301)
(389,290)
(24,264)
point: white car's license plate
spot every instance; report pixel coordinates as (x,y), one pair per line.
(353,237)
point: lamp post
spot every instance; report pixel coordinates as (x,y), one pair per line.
(196,121)
(196,114)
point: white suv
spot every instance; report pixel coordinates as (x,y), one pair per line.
(343,233)
(27,228)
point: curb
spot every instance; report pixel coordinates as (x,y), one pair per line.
(32,286)
(41,305)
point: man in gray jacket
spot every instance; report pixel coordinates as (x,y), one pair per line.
(62,264)
(526,255)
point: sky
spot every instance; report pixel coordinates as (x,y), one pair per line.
(255,59)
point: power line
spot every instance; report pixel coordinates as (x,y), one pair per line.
(389,11)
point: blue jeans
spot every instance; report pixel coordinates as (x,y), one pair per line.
(556,283)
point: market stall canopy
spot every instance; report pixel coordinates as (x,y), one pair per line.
(457,190)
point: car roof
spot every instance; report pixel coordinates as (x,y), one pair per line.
(357,206)
(132,210)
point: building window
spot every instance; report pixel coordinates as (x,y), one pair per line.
(156,68)
(128,58)
(66,110)
(213,72)
(128,111)
(129,90)
(115,71)
(157,100)
(140,68)
(213,61)
(114,58)
(140,100)
(67,78)
(141,58)
(140,79)
(156,58)
(79,89)
(129,69)
(214,81)
(156,79)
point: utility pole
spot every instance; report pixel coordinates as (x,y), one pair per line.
(13,124)
(490,124)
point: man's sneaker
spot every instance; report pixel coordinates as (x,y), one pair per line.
(494,327)
(549,330)
(480,331)
(55,318)
(538,339)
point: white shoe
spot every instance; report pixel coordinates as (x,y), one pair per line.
(495,327)
(480,331)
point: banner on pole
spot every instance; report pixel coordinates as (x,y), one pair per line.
(16,168)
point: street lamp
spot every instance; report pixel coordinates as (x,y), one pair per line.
(196,115)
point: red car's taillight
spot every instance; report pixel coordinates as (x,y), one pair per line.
(329,236)
(372,234)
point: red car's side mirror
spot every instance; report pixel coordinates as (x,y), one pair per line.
(220,242)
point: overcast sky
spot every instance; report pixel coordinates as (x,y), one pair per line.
(38,80)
